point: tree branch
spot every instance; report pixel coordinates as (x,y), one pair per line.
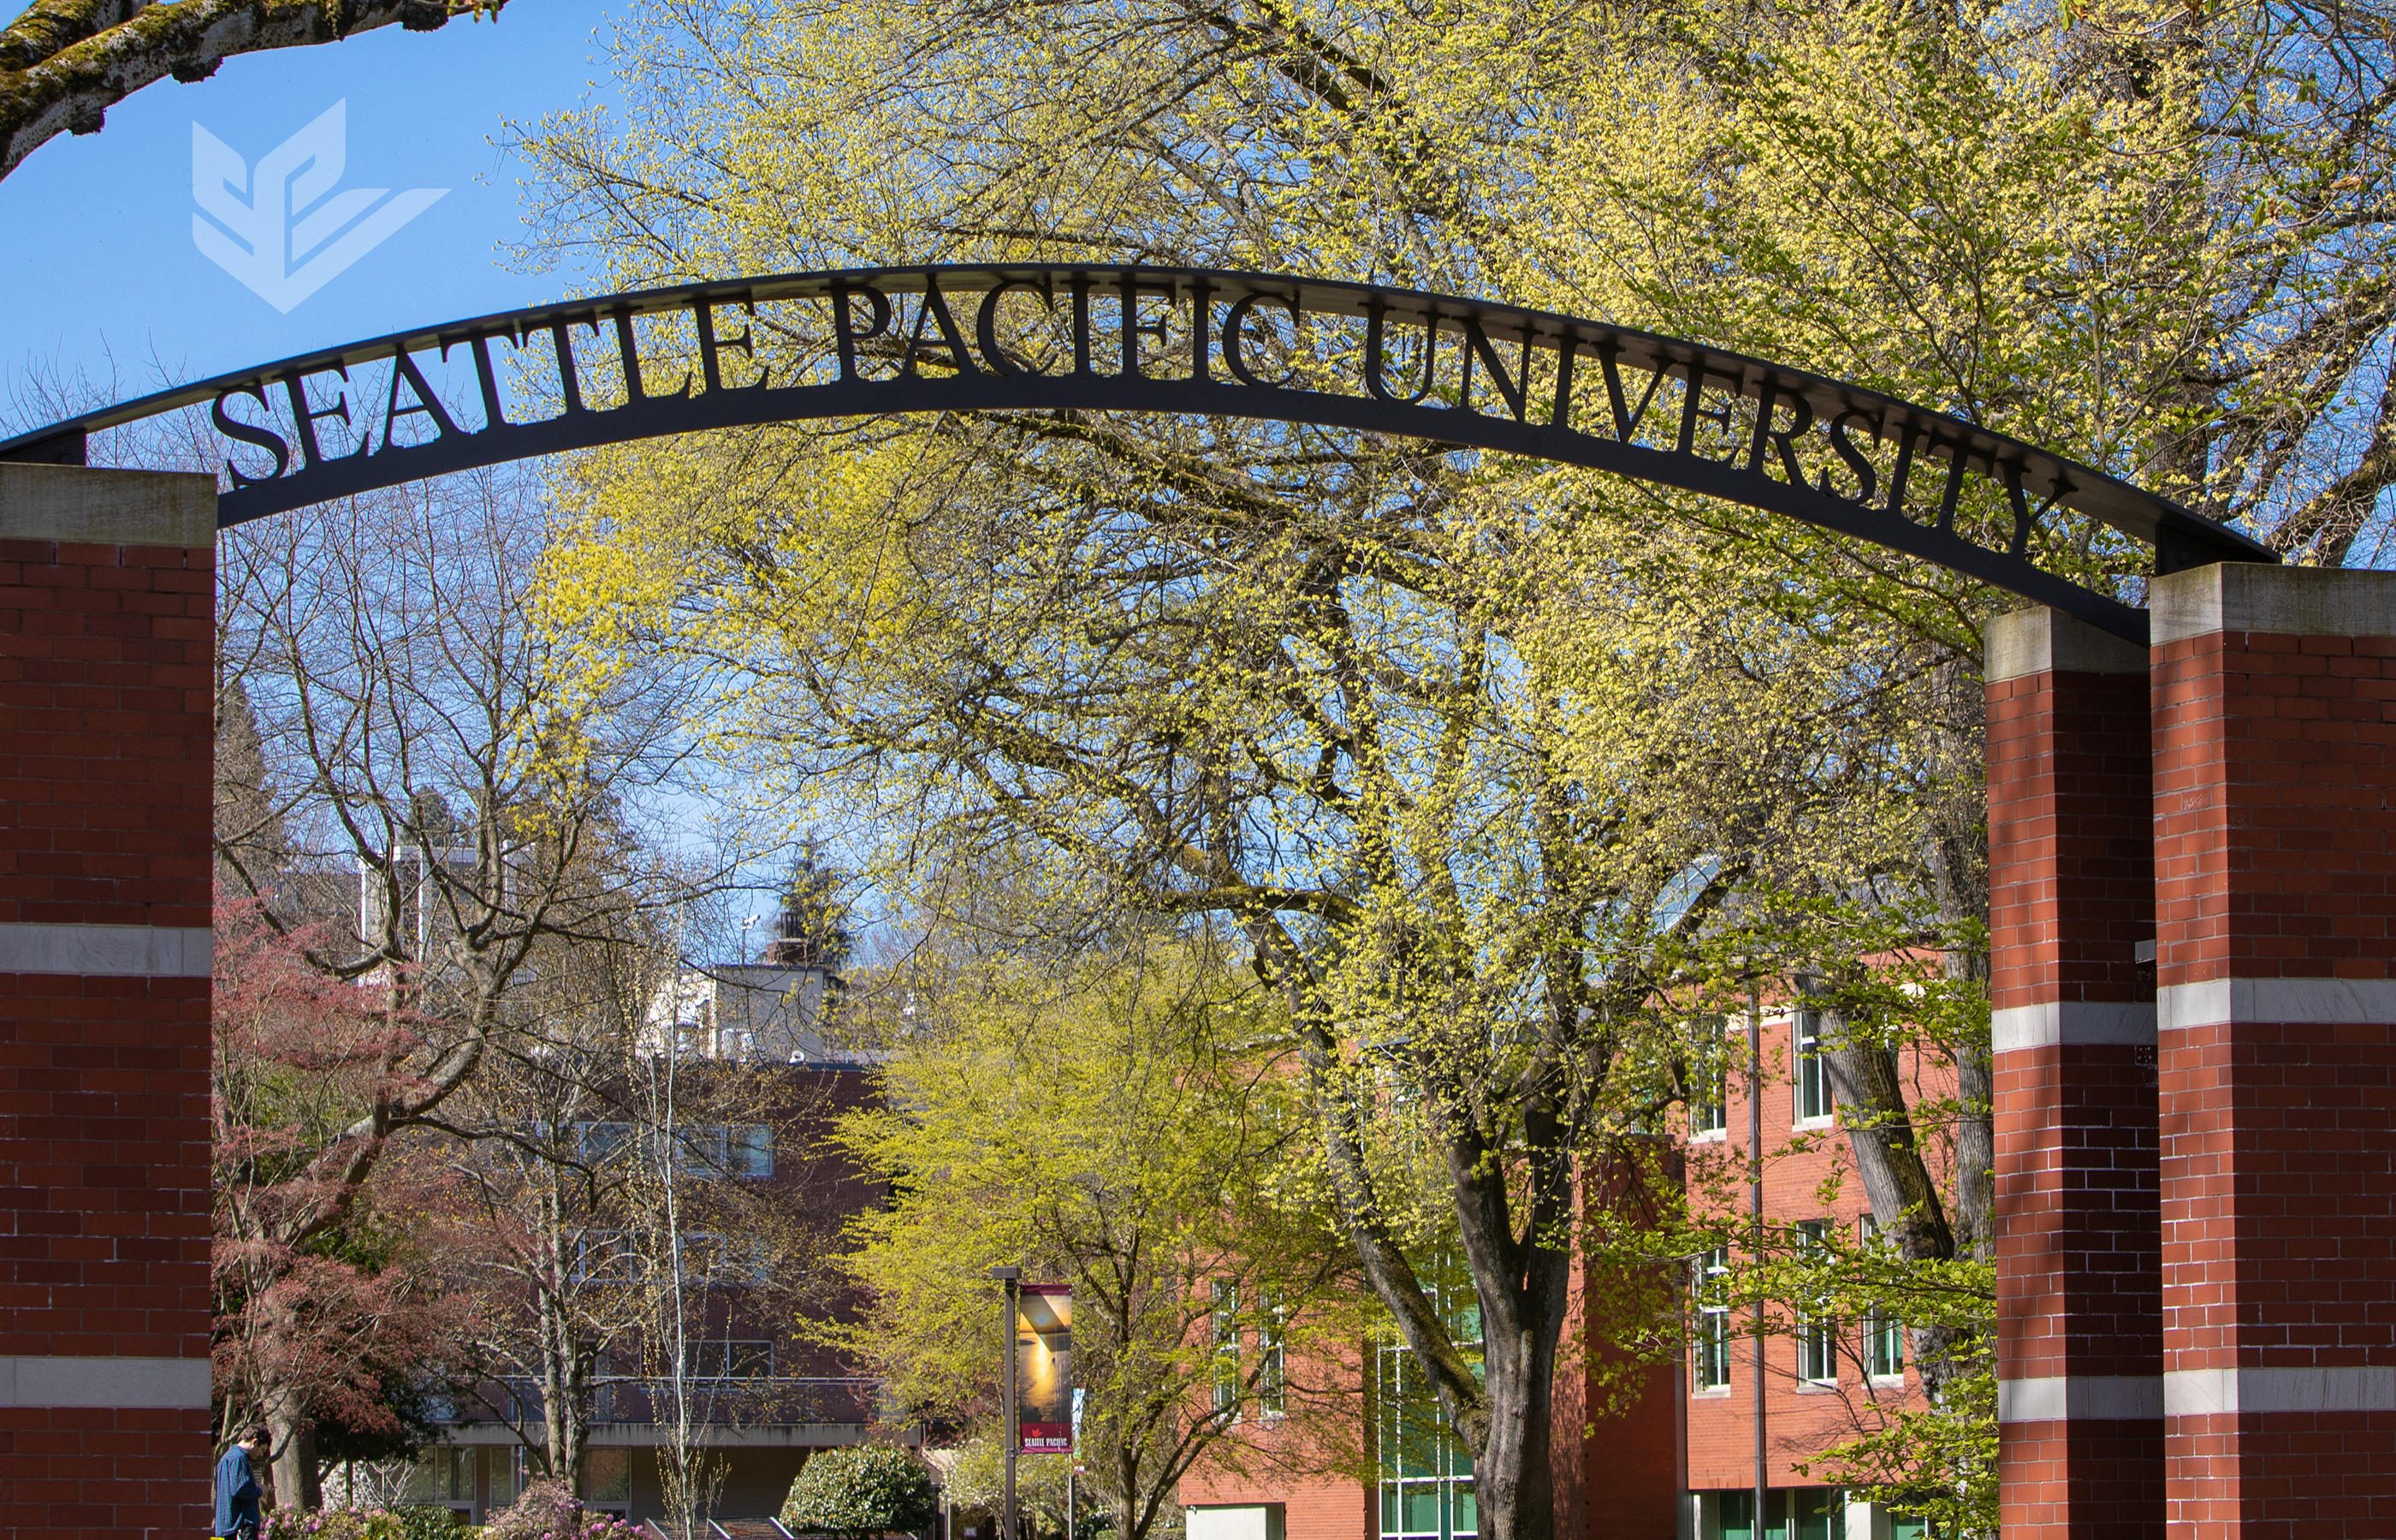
(63,64)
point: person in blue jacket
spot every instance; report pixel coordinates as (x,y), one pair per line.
(237,1487)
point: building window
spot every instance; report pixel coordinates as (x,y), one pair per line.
(1812,1071)
(708,1256)
(607,1480)
(1710,1103)
(700,1149)
(1272,1360)
(1426,1475)
(1821,1512)
(445,1476)
(1884,1354)
(724,1149)
(601,1143)
(751,1148)
(1708,1288)
(1818,1335)
(507,1478)
(610,1254)
(729,1361)
(1226,1326)
(1883,1347)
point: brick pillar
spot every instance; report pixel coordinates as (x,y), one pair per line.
(106,589)
(2072,897)
(2275,735)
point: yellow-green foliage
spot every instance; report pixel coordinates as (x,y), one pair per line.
(1469,751)
(1125,1124)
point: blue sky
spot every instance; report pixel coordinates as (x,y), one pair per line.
(98,246)
(97,231)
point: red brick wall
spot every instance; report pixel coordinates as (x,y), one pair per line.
(1314,1508)
(2275,723)
(1800,1165)
(1632,1461)
(2071,896)
(105,744)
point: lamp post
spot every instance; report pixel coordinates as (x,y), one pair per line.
(1755,1222)
(1010,1279)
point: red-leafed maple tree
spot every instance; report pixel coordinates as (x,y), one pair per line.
(327,1285)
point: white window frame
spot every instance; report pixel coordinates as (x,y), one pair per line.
(1809,1076)
(1224,1321)
(1718,1128)
(1712,1345)
(1879,1330)
(1817,1337)
(1272,1360)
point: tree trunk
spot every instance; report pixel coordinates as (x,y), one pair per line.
(565,1394)
(293,1451)
(1522,1285)
(1513,1473)
(1905,1199)
(1958,858)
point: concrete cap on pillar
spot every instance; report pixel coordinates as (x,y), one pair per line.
(2278,601)
(83,506)
(2044,641)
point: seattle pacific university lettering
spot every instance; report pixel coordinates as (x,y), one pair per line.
(1263,347)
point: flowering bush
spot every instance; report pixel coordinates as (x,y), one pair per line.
(547,1510)
(403,1523)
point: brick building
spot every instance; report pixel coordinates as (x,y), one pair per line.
(106,728)
(2194,933)
(1684,1463)
(2193,945)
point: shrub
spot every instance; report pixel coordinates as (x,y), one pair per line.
(870,1490)
(549,1510)
(413,1522)
(314,1525)
(424,1521)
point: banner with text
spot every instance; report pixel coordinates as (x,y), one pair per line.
(1044,1365)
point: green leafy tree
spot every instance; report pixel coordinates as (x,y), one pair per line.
(1474,754)
(1130,1122)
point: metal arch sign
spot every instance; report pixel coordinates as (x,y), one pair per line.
(1187,341)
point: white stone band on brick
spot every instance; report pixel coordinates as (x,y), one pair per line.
(2081,1398)
(2070,1022)
(180,1384)
(2222,1392)
(117,951)
(2355,1001)
(2279,601)
(2043,641)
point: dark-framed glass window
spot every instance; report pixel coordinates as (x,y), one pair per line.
(1813,1100)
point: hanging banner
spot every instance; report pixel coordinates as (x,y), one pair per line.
(1043,1368)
